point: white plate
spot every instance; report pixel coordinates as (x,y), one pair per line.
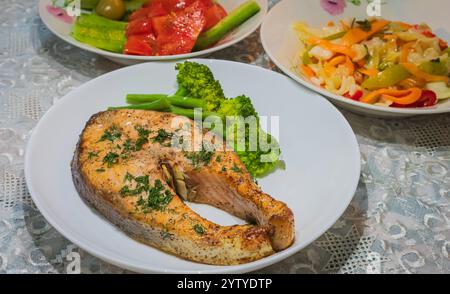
(319,148)
(62,30)
(282,45)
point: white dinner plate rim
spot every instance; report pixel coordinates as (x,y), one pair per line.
(93,249)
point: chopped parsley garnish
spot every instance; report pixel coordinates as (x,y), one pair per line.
(140,142)
(100,170)
(128,177)
(157,196)
(142,137)
(142,180)
(142,132)
(364,25)
(236,169)
(199,229)
(157,199)
(162,136)
(218,158)
(200,157)
(142,185)
(111,158)
(92,154)
(111,134)
(224,169)
(127,147)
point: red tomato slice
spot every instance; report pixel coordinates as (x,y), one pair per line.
(158,24)
(443,44)
(139,26)
(140,45)
(214,14)
(428,34)
(178,32)
(155,8)
(177,5)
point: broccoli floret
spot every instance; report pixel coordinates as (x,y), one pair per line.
(241,105)
(198,81)
(253,160)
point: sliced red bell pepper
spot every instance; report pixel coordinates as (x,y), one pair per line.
(357,96)
(428,33)
(428,98)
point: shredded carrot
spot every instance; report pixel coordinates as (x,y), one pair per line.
(330,66)
(407,48)
(336,48)
(307,71)
(361,62)
(349,65)
(329,70)
(336,60)
(413,95)
(357,35)
(415,71)
(373,97)
(330,24)
(369,72)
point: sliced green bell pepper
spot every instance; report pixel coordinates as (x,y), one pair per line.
(386,78)
(335,36)
(434,67)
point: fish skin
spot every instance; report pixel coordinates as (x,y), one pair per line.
(172,229)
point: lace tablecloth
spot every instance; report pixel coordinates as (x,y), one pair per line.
(398,221)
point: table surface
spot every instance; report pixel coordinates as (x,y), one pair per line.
(397,222)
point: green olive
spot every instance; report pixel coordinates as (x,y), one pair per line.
(112,9)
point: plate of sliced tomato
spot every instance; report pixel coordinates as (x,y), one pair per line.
(133,31)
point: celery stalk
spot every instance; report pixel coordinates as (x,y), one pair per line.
(229,23)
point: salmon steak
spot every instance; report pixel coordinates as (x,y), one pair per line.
(126,167)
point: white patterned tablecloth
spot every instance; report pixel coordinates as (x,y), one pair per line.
(398,221)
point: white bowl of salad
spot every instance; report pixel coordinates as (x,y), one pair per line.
(133,31)
(385,58)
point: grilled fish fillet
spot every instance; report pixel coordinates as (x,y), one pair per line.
(126,168)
